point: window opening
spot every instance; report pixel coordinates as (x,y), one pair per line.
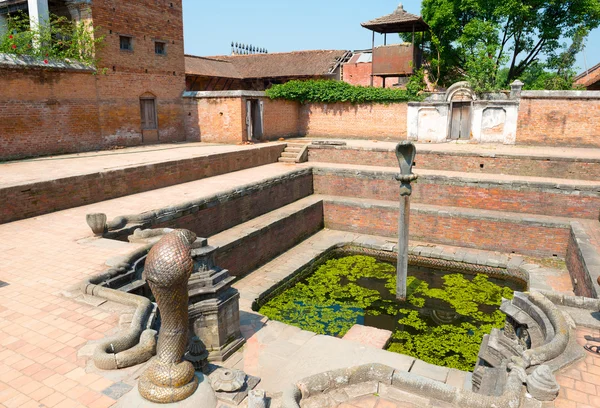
(160,48)
(126,43)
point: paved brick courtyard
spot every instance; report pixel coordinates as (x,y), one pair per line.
(43,328)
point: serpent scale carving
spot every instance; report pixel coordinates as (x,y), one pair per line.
(168,268)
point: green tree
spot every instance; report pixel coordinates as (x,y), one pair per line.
(520,34)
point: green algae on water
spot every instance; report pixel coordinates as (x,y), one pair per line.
(442,322)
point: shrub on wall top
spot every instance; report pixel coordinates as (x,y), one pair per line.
(329,91)
(62,40)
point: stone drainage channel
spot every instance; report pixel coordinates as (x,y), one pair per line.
(537,340)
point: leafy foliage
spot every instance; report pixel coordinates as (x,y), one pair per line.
(465,33)
(416,83)
(62,40)
(342,292)
(328,91)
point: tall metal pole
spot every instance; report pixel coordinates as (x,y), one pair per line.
(405,153)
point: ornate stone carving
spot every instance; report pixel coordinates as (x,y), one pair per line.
(197,355)
(214,306)
(542,385)
(225,379)
(97,222)
(168,267)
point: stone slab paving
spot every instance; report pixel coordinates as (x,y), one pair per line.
(580,382)
(55,167)
(43,329)
(369,336)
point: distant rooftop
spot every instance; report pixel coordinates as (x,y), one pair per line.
(285,64)
(589,78)
(398,22)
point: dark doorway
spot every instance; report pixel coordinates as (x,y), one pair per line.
(460,122)
(254,118)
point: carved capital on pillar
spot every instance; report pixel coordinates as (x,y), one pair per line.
(405,153)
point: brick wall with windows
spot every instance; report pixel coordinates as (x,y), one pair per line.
(51,110)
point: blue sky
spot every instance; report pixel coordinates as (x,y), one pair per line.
(283,25)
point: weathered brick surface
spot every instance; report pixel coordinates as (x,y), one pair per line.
(254,250)
(49,111)
(281,118)
(340,120)
(535,166)
(223,120)
(222,212)
(577,269)
(360,74)
(450,228)
(519,197)
(29,200)
(215,120)
(559,122)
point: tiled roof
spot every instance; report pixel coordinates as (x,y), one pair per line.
(398,22)
(212,67)
(287,64)
(589,77)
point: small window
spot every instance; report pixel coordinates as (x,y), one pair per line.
(160,48)
(126,43)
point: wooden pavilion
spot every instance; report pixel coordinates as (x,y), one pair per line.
(395,60)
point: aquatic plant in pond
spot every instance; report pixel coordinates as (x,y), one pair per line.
(442,321)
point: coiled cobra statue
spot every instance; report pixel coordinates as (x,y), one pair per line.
(167,270)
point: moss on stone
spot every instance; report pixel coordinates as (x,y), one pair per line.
(441,325)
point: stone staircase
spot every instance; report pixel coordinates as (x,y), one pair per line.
(291,153)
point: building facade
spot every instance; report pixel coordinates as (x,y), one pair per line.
(133,96)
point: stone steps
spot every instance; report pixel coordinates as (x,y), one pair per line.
(563,164)
(515,194)
(291,153)
(255,242)
(527,234)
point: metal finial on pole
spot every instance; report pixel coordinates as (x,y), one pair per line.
(405,153)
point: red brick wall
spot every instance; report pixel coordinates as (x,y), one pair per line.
(221,213)
(462,194)
(26,201)
(254,250)
(518,166)
(281,118)
(340,120)
(360,74)
(215,120)
(44,112)
(447,229)
(559,122)
(141,72)
(54,111)
(577,269)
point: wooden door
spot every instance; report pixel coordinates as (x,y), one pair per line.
(149,120)
(460,122)
(249,130)
(148,108)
